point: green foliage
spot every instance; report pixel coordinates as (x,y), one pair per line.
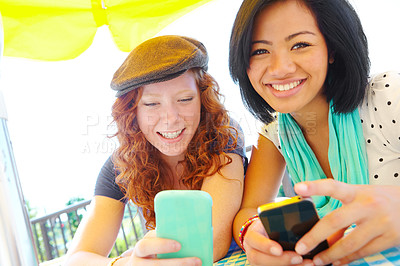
(32,212)
(72,216)
(74,200)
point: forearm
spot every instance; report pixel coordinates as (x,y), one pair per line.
(226,189)
(90,259)
(221,243)
(242,216)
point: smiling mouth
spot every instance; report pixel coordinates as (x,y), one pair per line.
(171,135)
(287,86)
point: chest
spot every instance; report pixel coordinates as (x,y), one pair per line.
(319,144)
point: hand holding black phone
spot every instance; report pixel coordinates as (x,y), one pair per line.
(287,221)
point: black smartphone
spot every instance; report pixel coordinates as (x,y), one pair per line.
(288,220)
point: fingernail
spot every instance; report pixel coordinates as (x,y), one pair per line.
(301,248)
(198,261)
(176,246)
(309,264)
(275,251)
(318,261)
(296,260)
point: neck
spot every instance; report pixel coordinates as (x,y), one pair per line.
(176,169)
(313,120)
(172,161)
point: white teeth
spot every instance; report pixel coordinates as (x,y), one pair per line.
(285,87)
(171,135)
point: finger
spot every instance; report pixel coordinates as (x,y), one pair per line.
(192,261)
(258,227)
(328,227)
(373,247)
(151,233)
(128,252)
(260,250)
(306,262)
(257,238)
(366,239)
(152,246)
(327,187)
(358,238)
(332,239)
(255,257)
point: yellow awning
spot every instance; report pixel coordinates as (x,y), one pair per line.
(62,29)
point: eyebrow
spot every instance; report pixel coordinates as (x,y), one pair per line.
(288,38)
(150,95)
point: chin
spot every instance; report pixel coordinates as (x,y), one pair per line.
(171,152)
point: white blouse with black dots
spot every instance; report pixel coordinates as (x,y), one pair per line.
(380,119)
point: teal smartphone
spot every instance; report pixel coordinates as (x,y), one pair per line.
(185,216)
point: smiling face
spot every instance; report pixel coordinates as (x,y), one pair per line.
(289,57)
(168,114)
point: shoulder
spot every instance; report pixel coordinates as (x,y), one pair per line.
(380,118)
(383,89)
(106,184)
(108,170)
(270,131)
(233,123)
(383,96)
(240,147)
(237,132)
(385,81)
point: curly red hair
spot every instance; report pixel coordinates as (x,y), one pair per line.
(141,173)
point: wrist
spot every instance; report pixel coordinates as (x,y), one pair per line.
(244,229)
(113,261)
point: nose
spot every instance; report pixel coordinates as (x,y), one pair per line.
(281,64)
(170,114)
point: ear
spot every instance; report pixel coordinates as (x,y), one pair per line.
(331,57)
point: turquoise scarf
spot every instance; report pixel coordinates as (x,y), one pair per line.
(347,154)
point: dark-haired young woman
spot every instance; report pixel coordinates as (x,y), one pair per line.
(173,133)
(303,70)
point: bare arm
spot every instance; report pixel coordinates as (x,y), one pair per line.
(263,178)
(226,192)
(97,232)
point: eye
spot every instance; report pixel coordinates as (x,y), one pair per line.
(300,45)
(188,99)
(259,52)
(150,104)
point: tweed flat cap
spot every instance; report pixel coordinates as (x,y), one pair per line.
(158,59)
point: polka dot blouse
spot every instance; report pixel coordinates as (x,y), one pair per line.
(380,119)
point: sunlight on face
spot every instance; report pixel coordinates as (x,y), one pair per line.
(289,57)
(168,114)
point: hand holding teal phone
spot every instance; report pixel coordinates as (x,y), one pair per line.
(185,216)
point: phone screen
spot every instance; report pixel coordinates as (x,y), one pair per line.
(286,224)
